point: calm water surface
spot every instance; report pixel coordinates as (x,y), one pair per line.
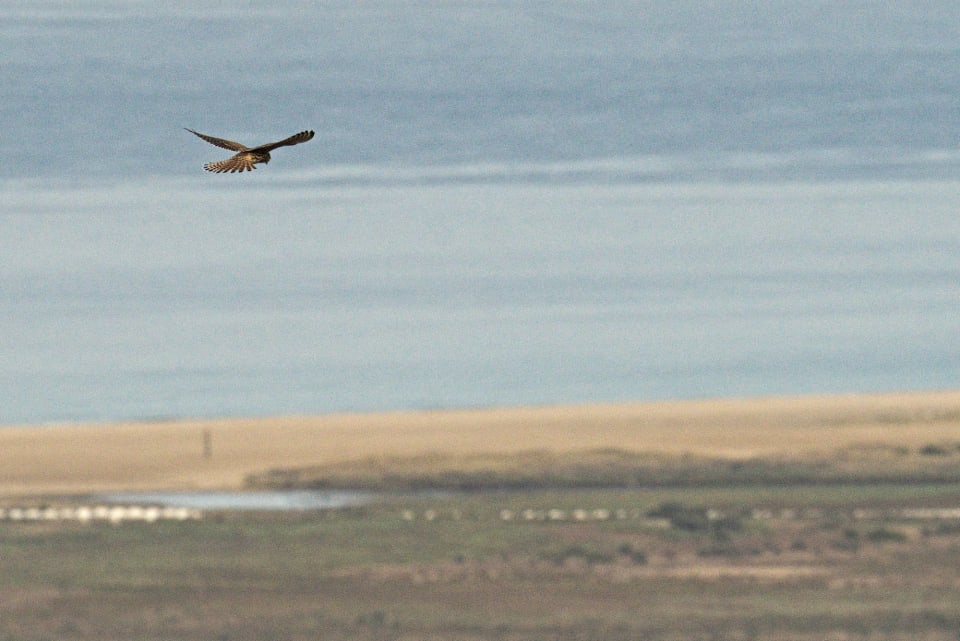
(296,300)
(287,500)
(506,203)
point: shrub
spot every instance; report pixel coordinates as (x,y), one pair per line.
(636,556)
(691,519)
(725,525)
(885,535)
(579,551)
(943,528)
(850,541)
(933,450)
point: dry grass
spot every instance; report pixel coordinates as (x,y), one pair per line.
(170,455)
(371,575)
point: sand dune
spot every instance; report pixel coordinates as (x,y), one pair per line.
(170,455)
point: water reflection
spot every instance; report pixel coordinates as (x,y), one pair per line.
(292,500)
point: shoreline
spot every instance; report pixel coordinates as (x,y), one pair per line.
(218,454)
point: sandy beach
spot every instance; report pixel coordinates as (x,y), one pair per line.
(218,454)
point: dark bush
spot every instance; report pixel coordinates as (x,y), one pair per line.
(691,519)
(885,535)
(636,556)
(850,541)
(579,551)
(933,450)
(726,525)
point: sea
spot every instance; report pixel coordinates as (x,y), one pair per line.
(506,203)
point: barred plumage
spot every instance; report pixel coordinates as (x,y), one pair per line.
(247,157)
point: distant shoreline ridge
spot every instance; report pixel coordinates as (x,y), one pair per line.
(223,454)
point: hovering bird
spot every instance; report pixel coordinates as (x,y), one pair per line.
(247,157)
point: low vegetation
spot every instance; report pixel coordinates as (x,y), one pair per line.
(932,463)
(802,562)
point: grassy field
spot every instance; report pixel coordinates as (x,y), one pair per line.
(779,563)
(844,526)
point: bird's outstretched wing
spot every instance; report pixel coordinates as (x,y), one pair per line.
(240,163)
(295,139)
(225,144)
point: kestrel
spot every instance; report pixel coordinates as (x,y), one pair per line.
(247,157)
